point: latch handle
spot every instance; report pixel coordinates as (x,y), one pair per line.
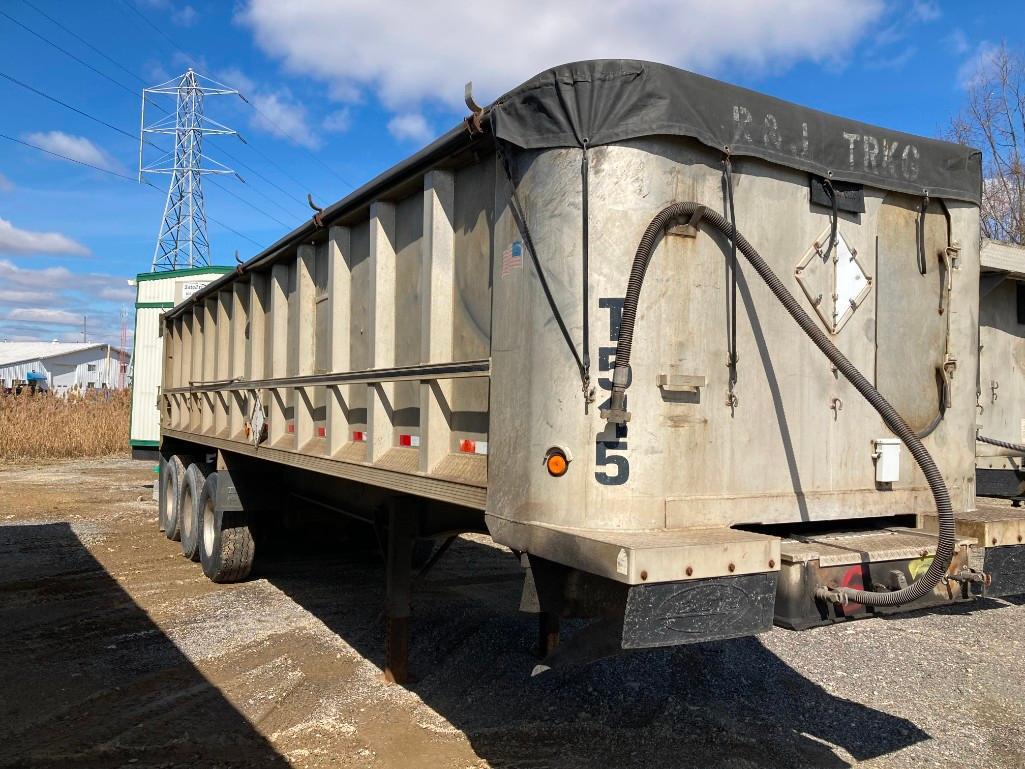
(680,382)
(947,372)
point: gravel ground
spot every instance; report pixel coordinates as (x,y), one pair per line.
(116,651)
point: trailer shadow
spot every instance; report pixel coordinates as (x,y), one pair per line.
(88,680)
(729,704)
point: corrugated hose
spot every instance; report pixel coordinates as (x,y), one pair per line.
(617,413)
(1002,444)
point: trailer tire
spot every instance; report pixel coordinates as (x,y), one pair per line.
(189,518)
(172,483)
(226,544)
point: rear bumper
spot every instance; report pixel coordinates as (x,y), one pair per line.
(737,583)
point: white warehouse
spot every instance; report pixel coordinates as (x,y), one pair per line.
(65,365)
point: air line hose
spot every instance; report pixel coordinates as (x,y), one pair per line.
(617,413)
(1002,444)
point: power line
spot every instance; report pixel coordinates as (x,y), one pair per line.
(234,194)
(258,175)
(119,176)
(134,137)
(212,219)
(131,91)
(158,30)
(298,143)
(104,75)
(68,106)
(82,40)
(274,163)
(191,60)
(65,157)
(218,222)
(123,69)
(265,196)
(262,114)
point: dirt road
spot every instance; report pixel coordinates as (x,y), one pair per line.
(116,651)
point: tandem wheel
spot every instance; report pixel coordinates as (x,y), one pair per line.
(226,544)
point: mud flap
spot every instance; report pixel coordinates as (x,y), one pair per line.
(673,613)
(1001,484)
(1006,567)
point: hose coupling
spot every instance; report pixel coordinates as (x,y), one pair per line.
(831,595)
(616,413)
(968,576)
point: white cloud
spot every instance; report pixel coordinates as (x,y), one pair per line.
(6,185)
(17,241)
(338,121)
(17,296)
(75,147)
(24,277)
(49,302)
(894,60)
(410,126)
(958,42)
(41,315)
(427,51)
(925,10)
(276,111)
(185,16)
(974,68)
(117,293)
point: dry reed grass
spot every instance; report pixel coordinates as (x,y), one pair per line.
(47,427)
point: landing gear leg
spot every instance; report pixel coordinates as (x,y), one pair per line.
(548,633)
(401,533)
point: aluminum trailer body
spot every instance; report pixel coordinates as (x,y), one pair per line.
(1001,389)
(436,352)
(1000,444)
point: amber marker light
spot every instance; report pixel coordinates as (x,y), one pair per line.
(557,462)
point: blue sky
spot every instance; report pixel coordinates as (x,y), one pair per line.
(352,87)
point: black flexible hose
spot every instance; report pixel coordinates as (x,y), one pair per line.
(1002,444)
(699,214)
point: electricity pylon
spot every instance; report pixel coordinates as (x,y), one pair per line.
(182,240)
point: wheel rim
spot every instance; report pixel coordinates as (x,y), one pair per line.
(208,527)
(168,495)
(186,521)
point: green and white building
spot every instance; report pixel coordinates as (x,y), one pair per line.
(156,293)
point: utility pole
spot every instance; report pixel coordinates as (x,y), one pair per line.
(182,239)
(121,363)
(85,337)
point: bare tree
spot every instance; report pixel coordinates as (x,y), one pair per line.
(994,121)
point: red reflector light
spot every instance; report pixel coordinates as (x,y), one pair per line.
(409,440)
(291,428)
(321,432)
(358,436)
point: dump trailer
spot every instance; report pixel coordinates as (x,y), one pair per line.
(1001,388)
(1000,441)
(779,428)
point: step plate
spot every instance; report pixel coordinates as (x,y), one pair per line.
(998,529)
(891,557)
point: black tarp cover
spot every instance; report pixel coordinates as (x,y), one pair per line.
(611,100)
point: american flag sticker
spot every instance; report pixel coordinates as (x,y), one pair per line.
(512,258)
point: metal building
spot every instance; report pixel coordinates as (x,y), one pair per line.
(156,292)
(67,366)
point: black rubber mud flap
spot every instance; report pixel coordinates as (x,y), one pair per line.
(1006,566)
(1002,484)
(672,613)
